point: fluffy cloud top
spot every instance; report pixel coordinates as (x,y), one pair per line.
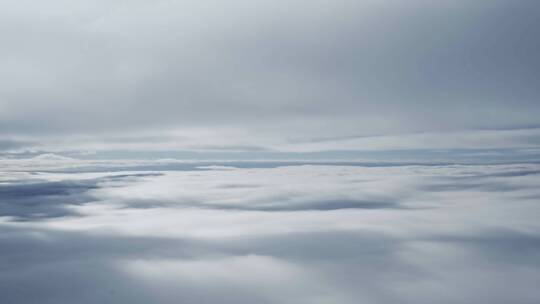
(289,234)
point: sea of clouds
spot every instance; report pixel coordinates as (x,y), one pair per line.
(269,233)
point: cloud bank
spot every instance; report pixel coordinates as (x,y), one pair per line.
(280,234)
(196,75)
(308,151)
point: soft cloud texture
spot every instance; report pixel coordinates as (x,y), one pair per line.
(279,234)
(263,73)
(257,151)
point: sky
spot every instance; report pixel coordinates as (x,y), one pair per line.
(269,151)
(232,79)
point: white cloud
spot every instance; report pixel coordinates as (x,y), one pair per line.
(248,234)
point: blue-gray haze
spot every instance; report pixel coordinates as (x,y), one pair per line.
(258,151)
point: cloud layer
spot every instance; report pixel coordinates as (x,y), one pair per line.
(280,234)
(265,74)
(257,151)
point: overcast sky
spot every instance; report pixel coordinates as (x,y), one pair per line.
(269,151)
(257,75)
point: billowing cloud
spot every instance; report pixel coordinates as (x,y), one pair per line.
(278,234)
(257,151)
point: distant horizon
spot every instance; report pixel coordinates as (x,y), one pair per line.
(270,152)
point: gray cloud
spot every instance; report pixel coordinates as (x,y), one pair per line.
(355,151)
(41,199)
(312,68)
(191,246)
